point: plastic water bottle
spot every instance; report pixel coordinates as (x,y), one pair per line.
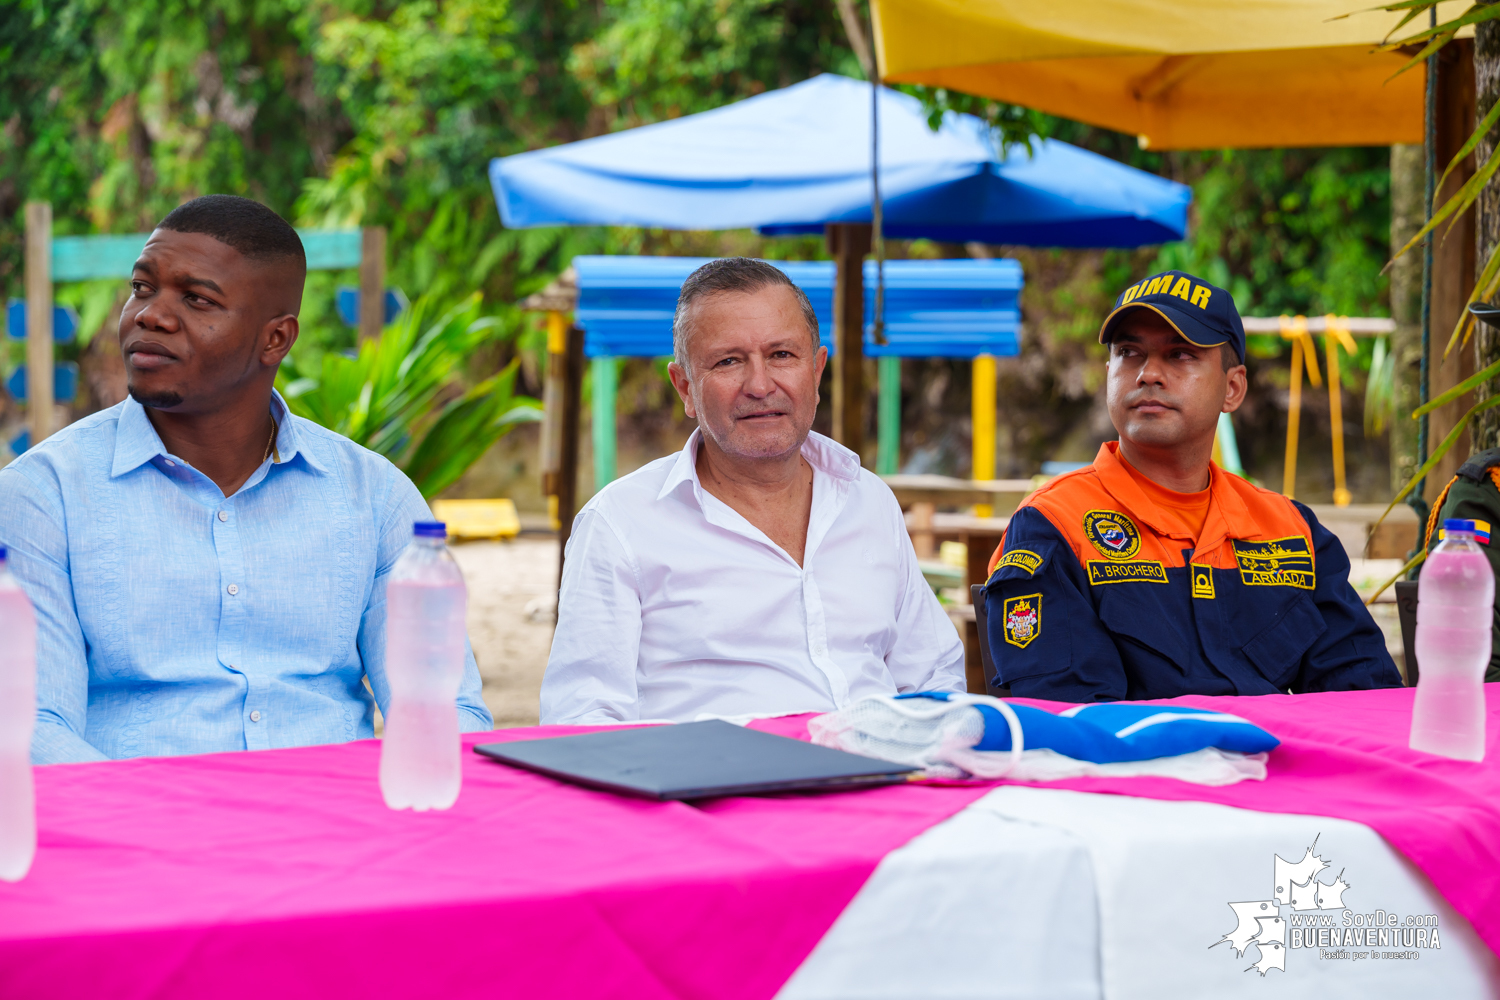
(1455,608)
(17,718)
(424,661)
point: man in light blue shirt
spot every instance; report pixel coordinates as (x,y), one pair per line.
(208,570)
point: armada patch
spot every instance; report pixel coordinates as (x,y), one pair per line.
(1022,559)
(1023,619)
(1112,533)
(1135,571)
(1281,562)
(1203,581)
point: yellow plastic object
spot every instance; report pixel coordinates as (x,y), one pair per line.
(1180,74)
(983,398)
(478,518)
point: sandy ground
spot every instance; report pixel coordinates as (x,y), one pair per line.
(511,589)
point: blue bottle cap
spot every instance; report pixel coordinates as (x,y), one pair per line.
(2,553)
(1458,524)
(430,529)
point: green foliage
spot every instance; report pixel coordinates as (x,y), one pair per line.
(389,396)
(1289,230)
(1295,231)
(1013,125)
(657,59)
(1380,389)
(386,112)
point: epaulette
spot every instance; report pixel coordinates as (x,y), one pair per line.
(1475,469)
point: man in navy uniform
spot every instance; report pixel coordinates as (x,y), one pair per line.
(1153,573)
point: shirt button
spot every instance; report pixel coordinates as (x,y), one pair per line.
(223,515)
(171,463)
(234,588)
(255,716)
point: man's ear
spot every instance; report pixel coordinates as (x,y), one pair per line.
(1236,384)
(684,387)
(277,339)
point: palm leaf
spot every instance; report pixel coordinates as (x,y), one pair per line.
(386,396)
(1380,390)
(1476,14)
(1459,202)
(467,428)
(1480,131)
(1420,57)
(1442,449)
(1416,560)
(1472,382)
(1484,287)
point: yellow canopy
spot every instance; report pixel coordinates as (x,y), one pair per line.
(1180,74)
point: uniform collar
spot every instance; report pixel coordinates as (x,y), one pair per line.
(1224,504)
(136,440)
(822,453)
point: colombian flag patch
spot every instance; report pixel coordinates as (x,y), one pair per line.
(1481,533)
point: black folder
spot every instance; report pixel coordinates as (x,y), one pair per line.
(695,760)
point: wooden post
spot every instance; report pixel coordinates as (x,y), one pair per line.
(552,411)
(1453,263)
(39,361)
(566,482)
(922,541)
(888,458)
(983,406)
(371,282)
(849,243)
(604,389)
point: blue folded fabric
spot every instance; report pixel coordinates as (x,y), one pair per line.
(1111,732)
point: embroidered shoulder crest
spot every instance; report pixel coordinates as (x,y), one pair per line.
(1023,619)
(1112,533)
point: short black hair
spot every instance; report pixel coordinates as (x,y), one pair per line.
(1228,356)
(246,225)
(733,274)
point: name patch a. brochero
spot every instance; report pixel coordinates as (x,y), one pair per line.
(1112,533)
(1021,559)
(1136,571)
(1281,562)
(1023,619)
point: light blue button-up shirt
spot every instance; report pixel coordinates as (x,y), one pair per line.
(174,620)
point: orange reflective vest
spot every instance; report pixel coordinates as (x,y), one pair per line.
(1096,594)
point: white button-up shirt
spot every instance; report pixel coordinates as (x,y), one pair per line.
(673,606)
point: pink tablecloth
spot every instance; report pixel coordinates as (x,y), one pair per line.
(281,874)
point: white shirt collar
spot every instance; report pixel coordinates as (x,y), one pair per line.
(823,453)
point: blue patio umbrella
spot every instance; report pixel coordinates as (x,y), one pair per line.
(797,159)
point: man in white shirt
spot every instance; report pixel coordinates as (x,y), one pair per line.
(759,570)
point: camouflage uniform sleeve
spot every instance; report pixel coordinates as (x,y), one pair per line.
(1045,637)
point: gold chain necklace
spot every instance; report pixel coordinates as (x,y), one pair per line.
(271,442)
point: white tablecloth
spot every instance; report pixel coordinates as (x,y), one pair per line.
(1061,895)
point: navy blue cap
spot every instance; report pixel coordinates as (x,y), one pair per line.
(1203,314)
(1449,524)
(430,529)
